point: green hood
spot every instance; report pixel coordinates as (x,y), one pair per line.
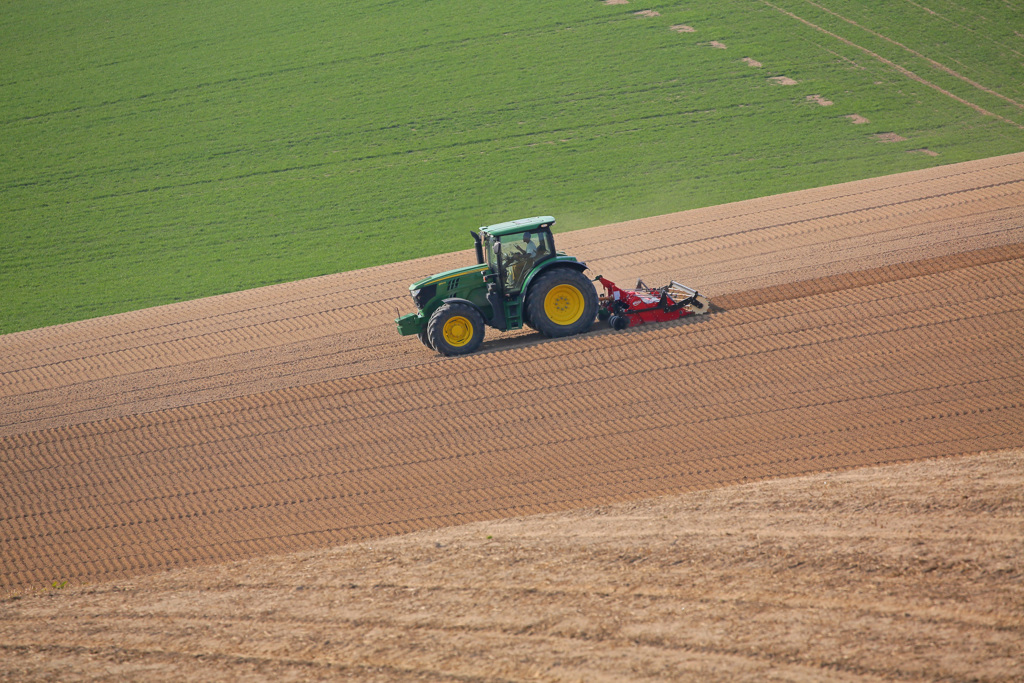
(447,275)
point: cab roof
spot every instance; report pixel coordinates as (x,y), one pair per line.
(521,225)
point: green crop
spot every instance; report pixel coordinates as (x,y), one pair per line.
(156,152)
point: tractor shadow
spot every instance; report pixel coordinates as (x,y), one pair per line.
(507,341)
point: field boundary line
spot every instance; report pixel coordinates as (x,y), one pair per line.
(240,323)
(472,502)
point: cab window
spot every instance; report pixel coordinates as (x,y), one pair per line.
(520,253)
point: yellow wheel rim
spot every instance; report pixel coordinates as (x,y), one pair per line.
(457,330)
(564,304)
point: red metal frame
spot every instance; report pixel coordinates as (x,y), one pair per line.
(640,306)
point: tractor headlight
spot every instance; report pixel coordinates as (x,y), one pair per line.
(421,297)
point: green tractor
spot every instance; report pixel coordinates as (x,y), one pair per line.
(519,279)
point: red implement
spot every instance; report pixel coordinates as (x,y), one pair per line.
(628,307)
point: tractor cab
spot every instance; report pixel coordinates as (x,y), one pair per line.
(513,250)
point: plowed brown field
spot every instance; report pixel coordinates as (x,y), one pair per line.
(866,323)
(909,572)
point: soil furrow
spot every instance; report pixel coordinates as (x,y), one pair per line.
(721,351)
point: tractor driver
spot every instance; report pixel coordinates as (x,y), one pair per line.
(530,247)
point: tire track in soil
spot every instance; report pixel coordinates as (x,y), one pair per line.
(341,326)
(377,401)
(569,423)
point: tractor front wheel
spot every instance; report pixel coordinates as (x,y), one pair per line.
(561,302)
(424,338)
(455,329)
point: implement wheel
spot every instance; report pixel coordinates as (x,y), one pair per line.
(455,329)
(561,302)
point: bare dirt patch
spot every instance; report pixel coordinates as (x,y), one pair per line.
(717,45)
(752,62)
(647,13)
(783,80)
(818,99)
(857,119)
(616,2)
(682,28)
(888,137)
(909,572)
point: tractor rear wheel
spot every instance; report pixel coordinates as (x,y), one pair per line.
(455,329)
(561,302)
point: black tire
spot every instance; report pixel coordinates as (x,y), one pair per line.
(526,319)
(561,302)
(618,322)
(424,338)
(455,329)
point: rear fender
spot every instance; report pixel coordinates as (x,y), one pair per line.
(554,263)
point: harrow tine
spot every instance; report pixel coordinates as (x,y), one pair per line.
(683,288)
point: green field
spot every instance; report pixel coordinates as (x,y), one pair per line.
(156,152)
